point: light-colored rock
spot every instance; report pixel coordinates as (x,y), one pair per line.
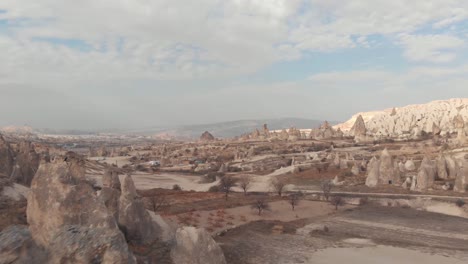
(410,166)
(422,116)
(386,171)
(61,196)
(373,172)
(442,170)
(461,181)
(359,129)
(355,170)
(452,167)
(426,175)
(196,246)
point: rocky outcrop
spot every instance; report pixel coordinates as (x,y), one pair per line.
(26,164)
(68,220)
(373,172)
(134,221)
(196,246)
(452,167)
(359,129)
(386,170)
(442,170)
(110,191)
(6,157)
(426,175)
(325,131)
(207,136)
(407,121)
(461,181)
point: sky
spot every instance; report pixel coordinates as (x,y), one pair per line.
(101,64)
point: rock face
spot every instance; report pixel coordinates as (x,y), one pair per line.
(6,157)
(442,170)
(359,129)
(110,192)
(67,219)
(461,181)
(398,123)
(386,171)
(26,164)
(134,221)
(206,136)
(373,172)
(426,175)
(196,246)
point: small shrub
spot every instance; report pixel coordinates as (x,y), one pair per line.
(176,187)
(363,201)
(460,203)
(214,188)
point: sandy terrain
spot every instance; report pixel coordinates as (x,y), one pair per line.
(381,255)
(361,235)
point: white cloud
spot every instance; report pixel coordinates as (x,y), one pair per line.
(431,48)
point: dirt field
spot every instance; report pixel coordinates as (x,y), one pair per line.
(405,234)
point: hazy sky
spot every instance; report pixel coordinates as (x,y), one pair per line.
(92,64)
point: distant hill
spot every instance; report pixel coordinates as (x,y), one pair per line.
(235,128)
(220,130)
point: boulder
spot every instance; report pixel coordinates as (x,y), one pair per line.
(410,166)
(355,170)
(134,221)
(196,246)
(373,171)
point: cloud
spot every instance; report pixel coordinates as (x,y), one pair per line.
(431,48)
(125,56)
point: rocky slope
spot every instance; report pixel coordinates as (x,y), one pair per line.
(412,119)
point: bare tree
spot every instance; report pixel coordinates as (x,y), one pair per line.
(326,187)
(244,183)
(278,185)
(261,205)
(157,202)
(225,185)
(294,199)
(337,201)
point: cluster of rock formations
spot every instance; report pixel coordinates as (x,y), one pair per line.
(69,222)
(326,131)
(411,122)
(386,171)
